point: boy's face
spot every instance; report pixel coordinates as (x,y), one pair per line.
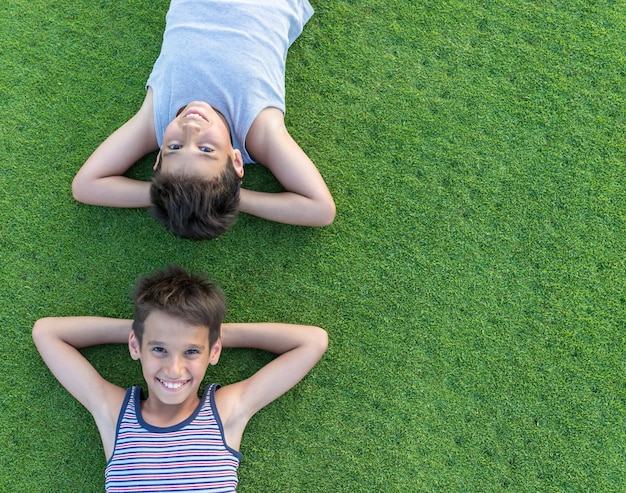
(174,358)
(197,142)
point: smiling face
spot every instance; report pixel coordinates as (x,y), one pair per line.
(197,142)
(174,358)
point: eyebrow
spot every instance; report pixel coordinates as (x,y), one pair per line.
(207,155)
(191,346)
(196,346)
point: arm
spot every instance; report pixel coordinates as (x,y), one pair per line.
(100,180)
(298,348)
(306,200)
(59,340)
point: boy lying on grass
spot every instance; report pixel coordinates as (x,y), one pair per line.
(171,439)
(215,100)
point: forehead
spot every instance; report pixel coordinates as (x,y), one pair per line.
(173,330)
(203,165)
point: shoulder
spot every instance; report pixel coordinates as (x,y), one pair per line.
(228,406)
(114,399)
(222,398)
(266,123)
(109,416)
(146,113)
(267,132)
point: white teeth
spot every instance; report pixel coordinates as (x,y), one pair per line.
(172,385)
(194,116)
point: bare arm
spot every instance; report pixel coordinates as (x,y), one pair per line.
(100,180)
(298,348)
(59,340)
(306,200)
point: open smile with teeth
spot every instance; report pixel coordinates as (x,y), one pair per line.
(172,385)
(195,116)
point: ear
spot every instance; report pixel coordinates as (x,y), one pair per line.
(216,350)
(238,162)
(133,346)
(157,161)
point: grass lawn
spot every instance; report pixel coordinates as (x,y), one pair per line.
(472,285)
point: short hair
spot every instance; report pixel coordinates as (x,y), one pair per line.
(195,208)
(192,298)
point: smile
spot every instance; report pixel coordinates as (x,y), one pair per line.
(172,385)
(195,115)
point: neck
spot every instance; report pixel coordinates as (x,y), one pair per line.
(162,415)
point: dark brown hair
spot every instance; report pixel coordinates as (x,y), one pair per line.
(190,297)
(194,208)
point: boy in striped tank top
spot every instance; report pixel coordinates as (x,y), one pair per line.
(174,440)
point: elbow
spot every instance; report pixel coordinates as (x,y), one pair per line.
(80,190)
(321,340)
(327,213)
(39,330)
(324,341)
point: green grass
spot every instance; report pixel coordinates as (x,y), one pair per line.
(473,284)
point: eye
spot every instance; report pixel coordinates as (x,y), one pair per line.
(205,149)
(174,147)
(158,350)
(192,352)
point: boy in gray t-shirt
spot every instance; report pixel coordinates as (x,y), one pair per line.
(215,100)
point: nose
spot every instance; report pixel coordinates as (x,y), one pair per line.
(191,128)
(175,367)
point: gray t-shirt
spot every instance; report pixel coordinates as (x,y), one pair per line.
(228,53)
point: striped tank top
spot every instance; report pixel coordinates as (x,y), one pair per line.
(189,457)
